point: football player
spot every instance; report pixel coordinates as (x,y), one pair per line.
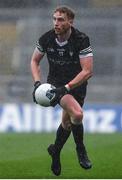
(70,61)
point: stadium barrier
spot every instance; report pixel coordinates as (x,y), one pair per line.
(33,118)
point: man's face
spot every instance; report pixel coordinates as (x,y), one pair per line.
(61,23)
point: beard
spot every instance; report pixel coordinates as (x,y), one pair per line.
(61,31)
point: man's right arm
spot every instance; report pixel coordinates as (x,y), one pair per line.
(35,70)
(35,67)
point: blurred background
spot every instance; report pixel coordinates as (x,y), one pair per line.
(23,151)
(22,22)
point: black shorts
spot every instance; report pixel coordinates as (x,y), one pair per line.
(79,93)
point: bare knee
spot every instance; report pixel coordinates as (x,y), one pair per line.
(77,117)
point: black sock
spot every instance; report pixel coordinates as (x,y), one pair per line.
(61,137)
(77,131)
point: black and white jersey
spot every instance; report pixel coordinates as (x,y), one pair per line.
(64,57)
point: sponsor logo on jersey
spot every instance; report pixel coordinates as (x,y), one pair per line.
(50,49)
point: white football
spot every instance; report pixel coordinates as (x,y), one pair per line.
(43,95)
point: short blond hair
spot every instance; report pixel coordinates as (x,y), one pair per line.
(66,10)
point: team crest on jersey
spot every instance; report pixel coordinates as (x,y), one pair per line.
(71,53)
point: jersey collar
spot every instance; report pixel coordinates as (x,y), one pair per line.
(61,43)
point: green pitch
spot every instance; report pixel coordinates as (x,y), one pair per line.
(25,156)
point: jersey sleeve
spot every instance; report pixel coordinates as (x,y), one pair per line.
(85,48)
(40,45)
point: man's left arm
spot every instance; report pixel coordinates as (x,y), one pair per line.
(85,74)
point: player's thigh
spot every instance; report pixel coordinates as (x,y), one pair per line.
(71,106)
